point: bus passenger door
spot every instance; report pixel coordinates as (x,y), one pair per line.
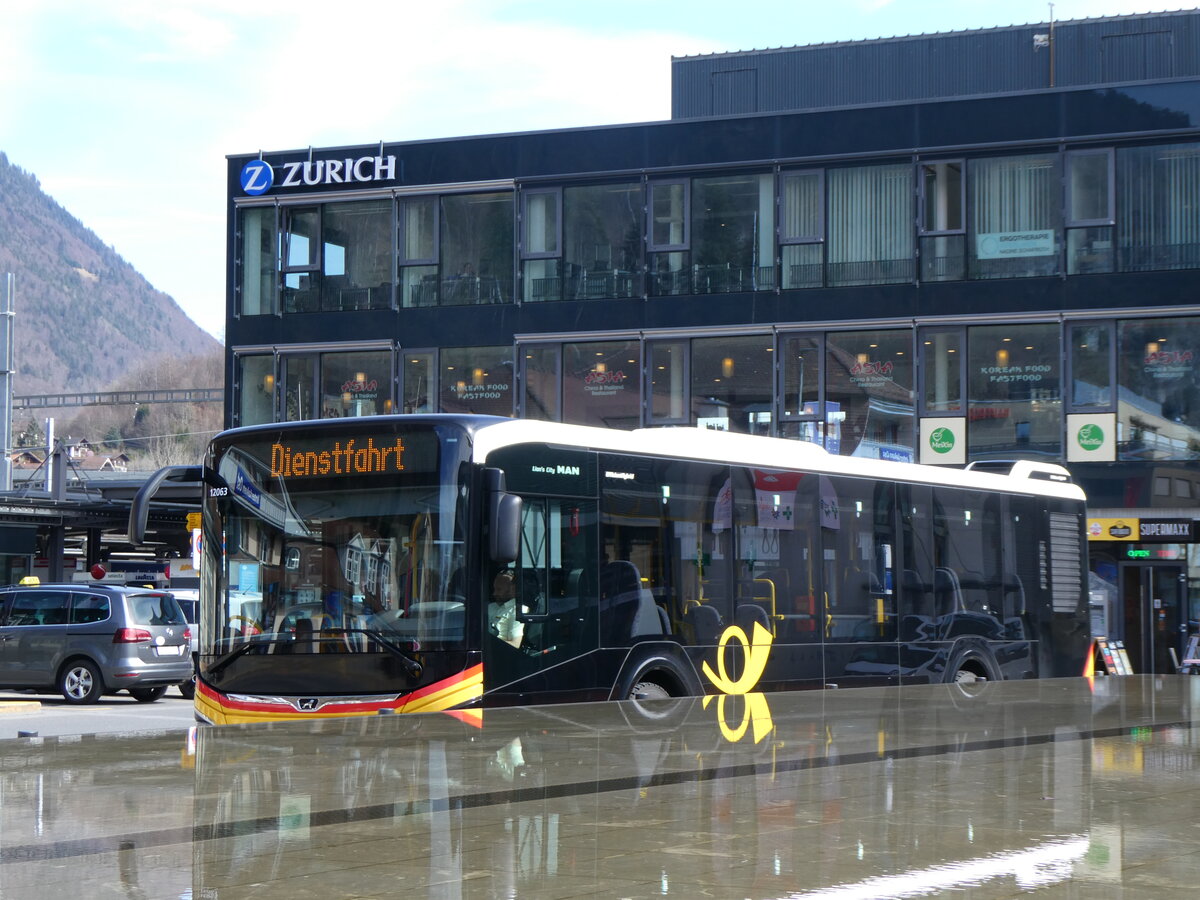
(549,619)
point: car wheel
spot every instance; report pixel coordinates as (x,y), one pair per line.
(187,689)
(80,682)
(147,695)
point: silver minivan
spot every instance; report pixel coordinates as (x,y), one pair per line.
(89,640)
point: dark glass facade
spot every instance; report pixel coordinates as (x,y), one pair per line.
(952,281)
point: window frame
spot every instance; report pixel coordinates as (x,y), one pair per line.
(1069,404)
(648,416)
(923,198)
(556,348)
(923,369)
(402,201)
(1068,195)
(526,194)
(785,239)
(686,244)
(818,413)
(315,260)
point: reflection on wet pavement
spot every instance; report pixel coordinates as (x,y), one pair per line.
(1058,788)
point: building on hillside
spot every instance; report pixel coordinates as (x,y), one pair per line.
(950,248)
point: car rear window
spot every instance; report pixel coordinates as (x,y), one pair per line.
(88,608)
(155,609)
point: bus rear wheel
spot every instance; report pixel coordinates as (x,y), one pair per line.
(648,690)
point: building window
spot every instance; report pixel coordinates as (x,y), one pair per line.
(301,259)
(869,394)
(732,383)
(337,257)
(540,384)
(356,384)
(419,373)
(477,380)
(669,239)
(1090,351)
(455,250)
(299,388)
(943,361)
(801,414)
(668,365)
(602,241)
(1014,395)
(870,225)
(257,261)
(1016,211)
(541,244)
(733,234)
(417,235)
(1089,212)
(1159,203)
(1159,413)
(802,229)
(256,390)
(943,229)
(476,249)
(602,384)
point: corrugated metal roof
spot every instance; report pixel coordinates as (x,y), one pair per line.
(1084,52)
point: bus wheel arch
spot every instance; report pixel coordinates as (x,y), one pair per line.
(971,663)
(653,667)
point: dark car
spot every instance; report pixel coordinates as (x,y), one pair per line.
(88,640)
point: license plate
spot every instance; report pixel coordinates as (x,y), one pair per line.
(169,651)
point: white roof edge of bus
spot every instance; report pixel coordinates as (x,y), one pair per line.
(752,450)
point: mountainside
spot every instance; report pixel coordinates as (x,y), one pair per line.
(85,318)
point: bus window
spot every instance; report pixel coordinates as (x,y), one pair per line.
(858,560)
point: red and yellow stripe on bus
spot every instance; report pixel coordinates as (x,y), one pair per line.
(457,690)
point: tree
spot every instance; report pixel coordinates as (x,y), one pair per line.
(32,435)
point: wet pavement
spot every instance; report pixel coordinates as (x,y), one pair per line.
(1058,788)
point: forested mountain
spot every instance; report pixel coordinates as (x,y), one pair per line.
(85,319)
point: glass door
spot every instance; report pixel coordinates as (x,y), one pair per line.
(1152,598)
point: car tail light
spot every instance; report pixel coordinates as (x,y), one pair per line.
(187,634)
(131,636)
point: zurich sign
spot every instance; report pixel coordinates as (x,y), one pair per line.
(257,177)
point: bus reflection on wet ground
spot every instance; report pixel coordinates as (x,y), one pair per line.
(1056,787)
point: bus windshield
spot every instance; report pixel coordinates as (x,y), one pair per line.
(347,540)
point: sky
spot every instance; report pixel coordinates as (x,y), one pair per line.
(126,109)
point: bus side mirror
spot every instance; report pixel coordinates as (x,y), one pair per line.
(504,519)
(504,535)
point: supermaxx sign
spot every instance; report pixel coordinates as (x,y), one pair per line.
(259,176)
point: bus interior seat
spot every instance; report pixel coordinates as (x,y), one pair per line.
(705,622)
(650,619)
(947,591)
(747,614)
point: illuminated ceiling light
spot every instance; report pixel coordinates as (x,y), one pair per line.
(727,367)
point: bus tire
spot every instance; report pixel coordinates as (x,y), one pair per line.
(662,663)
(969,665)
(648,690)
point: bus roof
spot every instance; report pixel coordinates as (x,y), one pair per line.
(683,442)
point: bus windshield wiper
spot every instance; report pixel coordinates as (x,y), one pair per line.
(411,667)
(239,650)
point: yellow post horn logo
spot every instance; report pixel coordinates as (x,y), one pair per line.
(757,652)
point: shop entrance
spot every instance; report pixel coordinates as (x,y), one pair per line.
(1152,598)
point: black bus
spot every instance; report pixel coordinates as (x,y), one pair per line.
(411,563)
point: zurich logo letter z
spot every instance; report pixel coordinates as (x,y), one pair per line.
(257,177)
